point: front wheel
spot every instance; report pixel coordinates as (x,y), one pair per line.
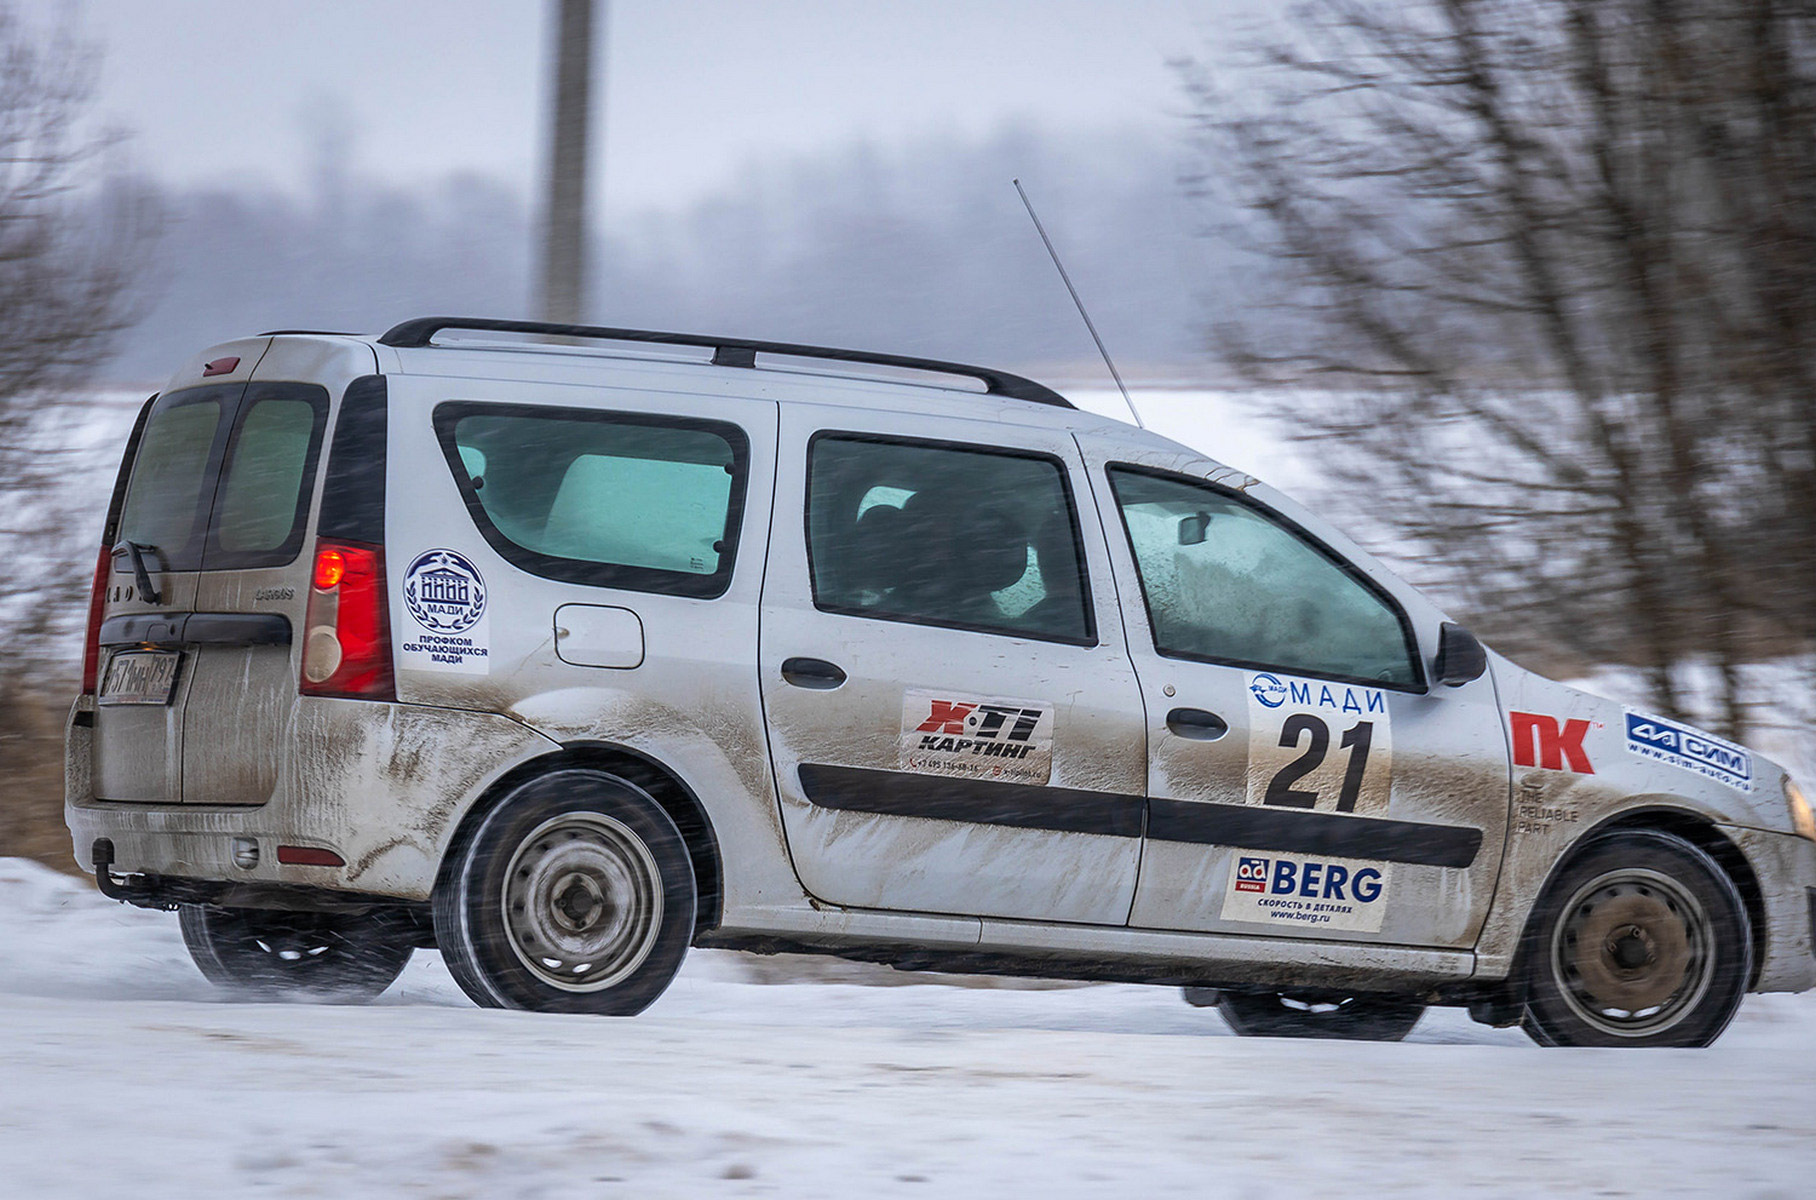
(272,952)
(1305,1015)
(574,894)
(1642,940)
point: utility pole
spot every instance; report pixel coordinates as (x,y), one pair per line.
(563,275)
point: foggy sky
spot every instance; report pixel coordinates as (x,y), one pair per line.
(246,92)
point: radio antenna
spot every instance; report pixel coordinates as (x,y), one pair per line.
(1067,280)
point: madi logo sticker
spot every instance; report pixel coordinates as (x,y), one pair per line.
(1292,891)
(1320,745)
(977,738)
(1693,750)
(446,598)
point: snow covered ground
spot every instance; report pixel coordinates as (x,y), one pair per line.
(124,1073)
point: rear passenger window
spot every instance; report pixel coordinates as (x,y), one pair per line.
(946,535)
(608,499)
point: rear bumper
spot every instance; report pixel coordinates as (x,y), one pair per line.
(1785,865)
(383,786)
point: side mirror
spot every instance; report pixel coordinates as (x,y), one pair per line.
(1461,658)
(1192,529)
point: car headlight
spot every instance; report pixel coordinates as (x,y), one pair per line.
(1802,819)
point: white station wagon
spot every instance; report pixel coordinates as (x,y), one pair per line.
(563,649)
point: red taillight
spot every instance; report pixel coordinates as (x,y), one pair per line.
(97,601)
(330,568)
(347,646)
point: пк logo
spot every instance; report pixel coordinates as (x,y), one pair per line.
(1539,741)
(444,592)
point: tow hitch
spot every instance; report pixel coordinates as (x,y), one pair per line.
(163,894)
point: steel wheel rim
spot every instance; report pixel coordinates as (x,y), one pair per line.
(1634,953)
(582,902)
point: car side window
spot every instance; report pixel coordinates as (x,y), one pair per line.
(939,534)
(1228,582)
(616,500)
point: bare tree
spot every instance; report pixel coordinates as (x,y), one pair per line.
(1556,262)
(73,232)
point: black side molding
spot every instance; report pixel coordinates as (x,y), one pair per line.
(1114,814)
(196,629)
(982,802)
(1295,831)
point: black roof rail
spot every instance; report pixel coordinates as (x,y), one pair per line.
(727,352)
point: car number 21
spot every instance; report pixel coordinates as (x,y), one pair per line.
(1318,745)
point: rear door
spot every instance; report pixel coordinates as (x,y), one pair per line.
(952,715)
(144,670)
(250,595)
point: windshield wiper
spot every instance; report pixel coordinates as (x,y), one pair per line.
(139,573)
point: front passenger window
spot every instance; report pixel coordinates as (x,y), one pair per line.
(1227,582)
(945,535)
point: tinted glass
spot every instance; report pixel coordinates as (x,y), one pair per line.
(607,499)
(946,536)
(166,504)
(1227,582)
(259,508)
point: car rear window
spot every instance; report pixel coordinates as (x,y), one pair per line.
(189,512)
(608,499)
(262,503)
(173,476)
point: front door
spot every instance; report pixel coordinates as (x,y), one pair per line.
(953,719)
(1306,780)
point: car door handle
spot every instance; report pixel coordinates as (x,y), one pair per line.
(815,673)
(1197,724)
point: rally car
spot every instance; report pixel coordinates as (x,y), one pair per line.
(564,649)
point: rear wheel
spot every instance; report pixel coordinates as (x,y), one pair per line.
(1642,940)
(574,894)
(350,956)
(1310,1015)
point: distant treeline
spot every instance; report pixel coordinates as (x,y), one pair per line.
(922,249)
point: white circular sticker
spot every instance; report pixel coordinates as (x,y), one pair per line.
(444,592)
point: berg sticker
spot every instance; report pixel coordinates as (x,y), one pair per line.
(1318,745)
(974,737)
(1678,744)
(446,599)
(1291,891)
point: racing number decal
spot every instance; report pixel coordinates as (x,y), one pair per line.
(1291,722)
(1356,739)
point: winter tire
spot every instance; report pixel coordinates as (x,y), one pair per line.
(350,956)
(574,894)
(1303,1015)
(1641,940)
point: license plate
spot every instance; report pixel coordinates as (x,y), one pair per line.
(141,677)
